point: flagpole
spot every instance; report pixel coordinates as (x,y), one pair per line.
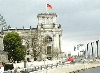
(46,6)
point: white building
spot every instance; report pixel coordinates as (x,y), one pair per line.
(45,39)
(79,50)
(93,49)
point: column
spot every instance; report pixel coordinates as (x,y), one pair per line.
(92,43)
(89,49)
(97,48)
(94,49)
(60,39)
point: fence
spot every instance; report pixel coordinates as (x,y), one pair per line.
(35,69)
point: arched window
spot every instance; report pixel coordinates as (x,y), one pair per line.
(48,39)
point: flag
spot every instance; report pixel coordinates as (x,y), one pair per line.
(49,6)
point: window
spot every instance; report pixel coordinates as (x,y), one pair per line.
(48,39)
(48,49)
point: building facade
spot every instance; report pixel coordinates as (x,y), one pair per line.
(3,57)
(43,40)
(93,49)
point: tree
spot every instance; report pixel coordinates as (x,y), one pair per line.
(13,45)
(38,48)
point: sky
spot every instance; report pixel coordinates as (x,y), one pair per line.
(79,19)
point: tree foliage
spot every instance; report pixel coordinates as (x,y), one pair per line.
(13,45)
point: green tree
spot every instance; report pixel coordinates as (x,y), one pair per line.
(13,45)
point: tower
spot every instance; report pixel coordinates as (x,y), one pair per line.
(49,34)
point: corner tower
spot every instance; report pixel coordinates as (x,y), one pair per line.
(49,34)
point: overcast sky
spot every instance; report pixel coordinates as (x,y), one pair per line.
(80,19)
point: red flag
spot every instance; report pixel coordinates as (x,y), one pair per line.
(49,6)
